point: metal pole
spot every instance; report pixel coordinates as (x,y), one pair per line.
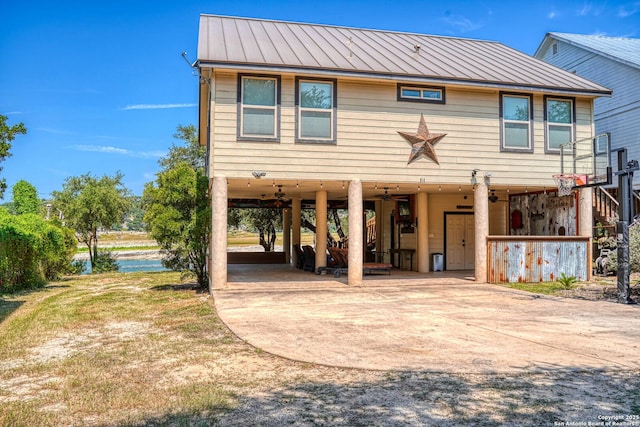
(625,217)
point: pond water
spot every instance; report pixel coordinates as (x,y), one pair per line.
(134,265)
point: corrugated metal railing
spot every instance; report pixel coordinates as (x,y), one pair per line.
(537,258)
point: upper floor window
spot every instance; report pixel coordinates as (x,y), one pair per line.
(258,105)
(559,115)
(316,110)
(515,121)
(421,93)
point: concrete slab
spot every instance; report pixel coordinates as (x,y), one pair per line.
(436,322)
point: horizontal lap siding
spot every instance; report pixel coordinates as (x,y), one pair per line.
(368,145)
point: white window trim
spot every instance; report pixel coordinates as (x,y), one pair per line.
(504,122)
(547,123)
(275,108)
(300,110)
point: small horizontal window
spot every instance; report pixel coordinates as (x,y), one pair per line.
(421,93)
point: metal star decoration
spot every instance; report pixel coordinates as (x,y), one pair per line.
(422,142)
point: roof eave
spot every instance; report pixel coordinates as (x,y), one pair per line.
(403,77)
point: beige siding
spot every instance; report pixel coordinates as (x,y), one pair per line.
(369,147)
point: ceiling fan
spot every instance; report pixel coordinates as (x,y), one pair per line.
(280,195)
(388,197)
(493,198)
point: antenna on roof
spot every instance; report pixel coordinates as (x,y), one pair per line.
(184,55)
(191,65)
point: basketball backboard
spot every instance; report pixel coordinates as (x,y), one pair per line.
(589,159)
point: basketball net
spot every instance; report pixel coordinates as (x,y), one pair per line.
(565,183)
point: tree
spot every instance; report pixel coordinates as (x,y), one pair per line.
(25,198)
(7,135)
(89,204)
(177,207)
(265,220)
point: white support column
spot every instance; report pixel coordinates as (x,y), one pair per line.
(321,229)
(218,273)
(423,233)
(355,233)
(296,217)
(481,213)
(286,234)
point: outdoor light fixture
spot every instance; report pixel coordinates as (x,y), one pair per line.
(473,176)
(258,174)
(487,178)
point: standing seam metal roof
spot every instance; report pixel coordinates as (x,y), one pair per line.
(263,44)
(621,49)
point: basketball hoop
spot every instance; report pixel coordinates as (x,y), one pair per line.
(565,183)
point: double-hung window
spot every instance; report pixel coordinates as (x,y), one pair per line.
(559,119)
(516,116)
(258,107)
(316,107)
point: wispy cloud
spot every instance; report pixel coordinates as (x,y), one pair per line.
(9,113)
(625,11)
(552,14)
(461,23)
(56,131)
(156,106)
(587,9)
(115,150)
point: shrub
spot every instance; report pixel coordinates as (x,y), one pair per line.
(567,281)
(104,262)
(32,251)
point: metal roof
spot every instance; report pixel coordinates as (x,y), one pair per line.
(257,44)
(620,49)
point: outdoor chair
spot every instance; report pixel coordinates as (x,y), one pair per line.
(299,256)
(309,258)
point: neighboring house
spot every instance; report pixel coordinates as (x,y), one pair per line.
(435,134)
(613,62)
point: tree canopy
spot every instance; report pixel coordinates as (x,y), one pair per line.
(89,203)
(25,198)
(7,135)
(177,208)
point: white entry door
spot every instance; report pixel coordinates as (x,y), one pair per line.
(460,242)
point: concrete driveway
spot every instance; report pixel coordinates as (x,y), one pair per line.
(434,322)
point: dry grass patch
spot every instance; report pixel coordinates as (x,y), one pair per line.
(142,349)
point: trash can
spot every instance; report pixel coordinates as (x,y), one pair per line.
(437,261)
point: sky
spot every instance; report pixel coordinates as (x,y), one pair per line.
(101,86)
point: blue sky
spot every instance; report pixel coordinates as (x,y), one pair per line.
(101,86)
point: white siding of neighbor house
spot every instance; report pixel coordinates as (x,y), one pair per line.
(368,145)
(620,114)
